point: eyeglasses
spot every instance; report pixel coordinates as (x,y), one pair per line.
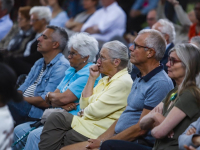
(173,61)
(139,46)
(72,54)
(101,57)
(34,20)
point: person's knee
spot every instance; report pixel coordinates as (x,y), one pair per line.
(107,145)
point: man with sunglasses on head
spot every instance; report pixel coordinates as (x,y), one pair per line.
(149,88)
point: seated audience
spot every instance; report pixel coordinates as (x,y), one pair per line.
(44,76)
(40,17)
(5,21)
(105,24)
(7,92)
(75,24)
(151,18)
(178,109)
(20,34)
(83,50)
(166,28)
(138,13)
(185,20)
(195,28)
(59,16)
(101,105)
(149,88)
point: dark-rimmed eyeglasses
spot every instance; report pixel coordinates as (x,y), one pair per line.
(139,46)
(173,61)
(72,54)
(34,20)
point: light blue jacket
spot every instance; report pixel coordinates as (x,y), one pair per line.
(52,76)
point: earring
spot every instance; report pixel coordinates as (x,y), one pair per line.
(84,61)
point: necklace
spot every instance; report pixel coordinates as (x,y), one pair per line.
(173,96)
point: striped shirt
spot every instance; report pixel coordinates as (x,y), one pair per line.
(29,92)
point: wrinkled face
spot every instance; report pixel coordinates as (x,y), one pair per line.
(176,70)
(105,61)
(45,41)
(75,59)
(138,54)
(36,23)
(151,18)
(89,4)
(197,11)
(22,21)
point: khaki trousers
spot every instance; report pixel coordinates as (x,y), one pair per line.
(57,132)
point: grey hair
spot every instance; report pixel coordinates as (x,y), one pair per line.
(117,49)
(167,28)
(156,41)
(196,40)
(7,5)
(42,12)
(59,35)
(189,55)
(85,45)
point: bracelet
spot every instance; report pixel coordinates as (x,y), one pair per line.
(48,94)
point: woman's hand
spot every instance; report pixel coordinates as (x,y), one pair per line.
(70,106)
(80,113)
(94,71)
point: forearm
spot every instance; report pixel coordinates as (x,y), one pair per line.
(88,90)
(36,101)
(130,134)
(109,133)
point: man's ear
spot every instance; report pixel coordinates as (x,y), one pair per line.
(150,53)
(56,45)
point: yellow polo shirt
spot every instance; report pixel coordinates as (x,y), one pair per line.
(105,106)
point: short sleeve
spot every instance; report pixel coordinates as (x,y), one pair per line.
(188,104)
(78,85)
(156,94)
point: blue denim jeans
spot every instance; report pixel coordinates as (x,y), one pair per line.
(20,111)
(31,141)
(120,145)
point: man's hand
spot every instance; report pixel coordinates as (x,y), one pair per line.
(70,106)
(189,147)
(191,131)
(93,143)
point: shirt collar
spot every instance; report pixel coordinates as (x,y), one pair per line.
(150,74)
(117,75)
(54,60)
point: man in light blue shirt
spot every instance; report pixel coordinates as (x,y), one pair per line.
(5,21)
(44,76)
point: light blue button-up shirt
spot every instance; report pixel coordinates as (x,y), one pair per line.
(50,79)
(5,26)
